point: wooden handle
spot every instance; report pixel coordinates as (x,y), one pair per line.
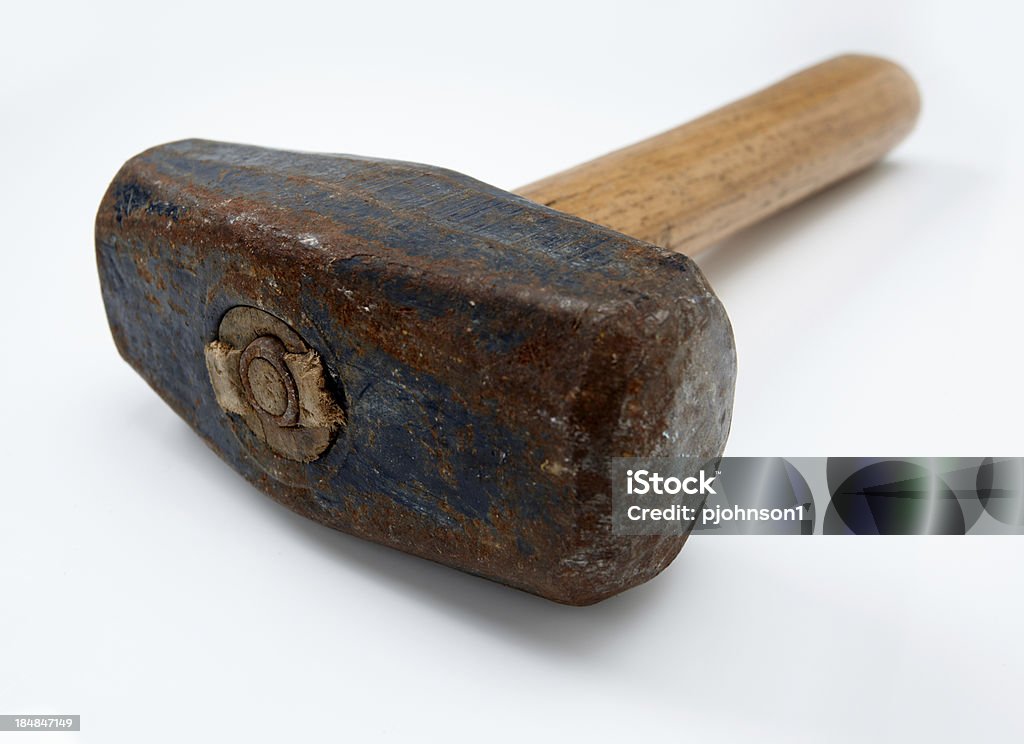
(691,186)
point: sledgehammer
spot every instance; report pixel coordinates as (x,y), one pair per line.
(412,356)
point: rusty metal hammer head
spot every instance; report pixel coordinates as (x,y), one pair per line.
(417,358)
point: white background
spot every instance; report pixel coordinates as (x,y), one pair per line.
(146,587)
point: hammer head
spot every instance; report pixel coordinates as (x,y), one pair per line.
(414,357)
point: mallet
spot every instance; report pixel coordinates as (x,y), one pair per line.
(417,358)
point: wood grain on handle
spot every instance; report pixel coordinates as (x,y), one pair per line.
(691,186)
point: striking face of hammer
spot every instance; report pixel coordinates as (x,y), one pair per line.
(414,357)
